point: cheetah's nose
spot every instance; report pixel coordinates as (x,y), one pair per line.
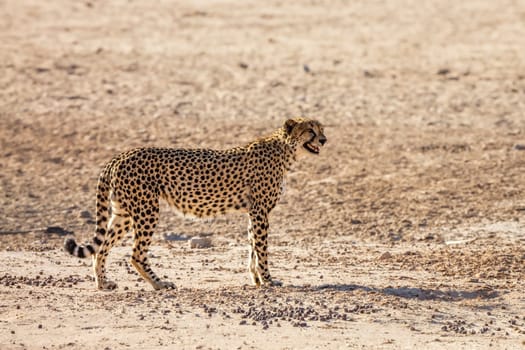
(322,140)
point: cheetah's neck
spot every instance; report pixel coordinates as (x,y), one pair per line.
(287,145)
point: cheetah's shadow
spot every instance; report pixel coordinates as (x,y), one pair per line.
(414,292)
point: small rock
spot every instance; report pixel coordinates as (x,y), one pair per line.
(368,74)
(175,237)
(385,256)
(41,70)
(429,237)
(443,71)
(85,214)
(200,242)
(519,147)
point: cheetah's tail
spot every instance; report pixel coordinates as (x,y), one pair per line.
(81,251)
(102,205)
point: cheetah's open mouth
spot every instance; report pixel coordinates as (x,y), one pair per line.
(311,147)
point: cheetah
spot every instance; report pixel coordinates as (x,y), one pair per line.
(196,182)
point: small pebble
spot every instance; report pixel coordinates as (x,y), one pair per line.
(385,256)
(200,242)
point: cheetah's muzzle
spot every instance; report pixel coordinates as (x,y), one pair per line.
(311,147)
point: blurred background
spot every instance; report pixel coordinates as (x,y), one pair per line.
(423,103)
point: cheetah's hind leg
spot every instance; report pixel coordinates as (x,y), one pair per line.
(118,226)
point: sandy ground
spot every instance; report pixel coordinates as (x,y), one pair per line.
(408,230)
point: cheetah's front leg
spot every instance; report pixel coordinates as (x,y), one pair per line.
(258,255)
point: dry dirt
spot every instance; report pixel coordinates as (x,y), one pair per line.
(408,230)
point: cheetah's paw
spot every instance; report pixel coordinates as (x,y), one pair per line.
(272,283)
(106,285)
(164,285)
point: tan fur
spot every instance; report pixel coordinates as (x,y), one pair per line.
(198,182)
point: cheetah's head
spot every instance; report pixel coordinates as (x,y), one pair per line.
(308,134)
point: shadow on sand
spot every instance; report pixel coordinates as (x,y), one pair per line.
(414,292)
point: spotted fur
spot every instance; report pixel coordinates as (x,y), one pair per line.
(198,182)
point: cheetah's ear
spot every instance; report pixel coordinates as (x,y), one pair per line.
(289,125)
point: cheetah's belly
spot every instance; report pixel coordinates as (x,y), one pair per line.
(208,202)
